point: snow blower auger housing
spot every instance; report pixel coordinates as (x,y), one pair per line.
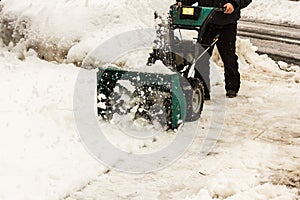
(169,98)
(151,96)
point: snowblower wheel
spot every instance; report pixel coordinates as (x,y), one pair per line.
(195,101)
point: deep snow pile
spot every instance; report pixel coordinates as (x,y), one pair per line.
(278,11)
(66,31)
(41,155)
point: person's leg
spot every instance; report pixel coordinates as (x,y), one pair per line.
(226,47)
(202,66)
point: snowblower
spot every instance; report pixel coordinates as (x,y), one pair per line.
(172,98)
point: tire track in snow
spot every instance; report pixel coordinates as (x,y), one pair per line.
(279,41)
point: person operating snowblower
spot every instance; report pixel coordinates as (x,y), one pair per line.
(223,25)
(176,97)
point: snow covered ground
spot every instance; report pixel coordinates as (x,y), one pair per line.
(283,11)
(256,157)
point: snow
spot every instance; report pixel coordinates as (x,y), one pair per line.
(283,11)
(42,155)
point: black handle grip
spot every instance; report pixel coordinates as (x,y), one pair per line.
(221,9)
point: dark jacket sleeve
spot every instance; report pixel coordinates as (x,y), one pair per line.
(188,2)
(244,3)
(235,3)
(240,3)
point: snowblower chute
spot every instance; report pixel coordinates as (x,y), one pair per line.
(168,98)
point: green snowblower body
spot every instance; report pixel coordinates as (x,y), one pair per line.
(189,17)
(171,92)
(109,77)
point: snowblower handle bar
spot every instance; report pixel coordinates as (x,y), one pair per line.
(218,9)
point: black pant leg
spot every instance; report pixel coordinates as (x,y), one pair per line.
(203,64)
(226,48)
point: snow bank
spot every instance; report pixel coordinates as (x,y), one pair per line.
(282,11)
(67,31)
(41,154)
